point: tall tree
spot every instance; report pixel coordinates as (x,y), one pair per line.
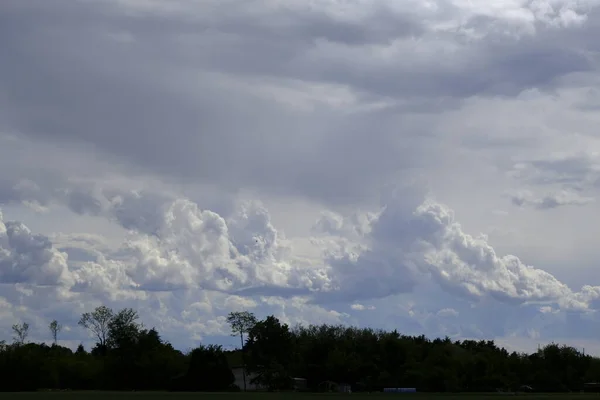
(97,322)
(209,370)
(241,322)
(21,331)
(123,328)
(270,347)
(123,350)
(55,328)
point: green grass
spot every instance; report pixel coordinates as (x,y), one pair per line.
(275,396)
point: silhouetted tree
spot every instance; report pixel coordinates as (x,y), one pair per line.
(270,348)
(128,356)
(209,370)
(21,331)
(97,322)
(241,322)
(55,328)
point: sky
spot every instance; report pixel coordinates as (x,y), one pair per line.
(426,166)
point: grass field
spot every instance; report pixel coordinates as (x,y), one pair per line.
(275,396)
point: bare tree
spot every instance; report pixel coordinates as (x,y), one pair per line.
(21,332)
(97,322)
(55,329)
(241,322)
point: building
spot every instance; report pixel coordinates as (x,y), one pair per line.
(591,387)
(344,388)
(297,383)
(239,380)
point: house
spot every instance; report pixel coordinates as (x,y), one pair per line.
(297,383)
(592,387)
(238,373)
(344,388)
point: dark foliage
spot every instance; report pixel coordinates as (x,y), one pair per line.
(128,356)
(208,371)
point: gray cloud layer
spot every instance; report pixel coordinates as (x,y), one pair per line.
(204,82)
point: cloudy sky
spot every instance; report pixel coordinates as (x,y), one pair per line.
(430,166)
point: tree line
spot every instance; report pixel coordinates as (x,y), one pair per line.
(129,356)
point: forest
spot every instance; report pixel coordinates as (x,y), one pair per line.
(128,356)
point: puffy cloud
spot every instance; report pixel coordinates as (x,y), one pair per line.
(448,312)
(30,258)
(357,224)
(199,248)
(185,246)
(468,264)
(360,307)
(197,265)
(408,247)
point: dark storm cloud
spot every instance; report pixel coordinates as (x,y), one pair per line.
(177,93)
